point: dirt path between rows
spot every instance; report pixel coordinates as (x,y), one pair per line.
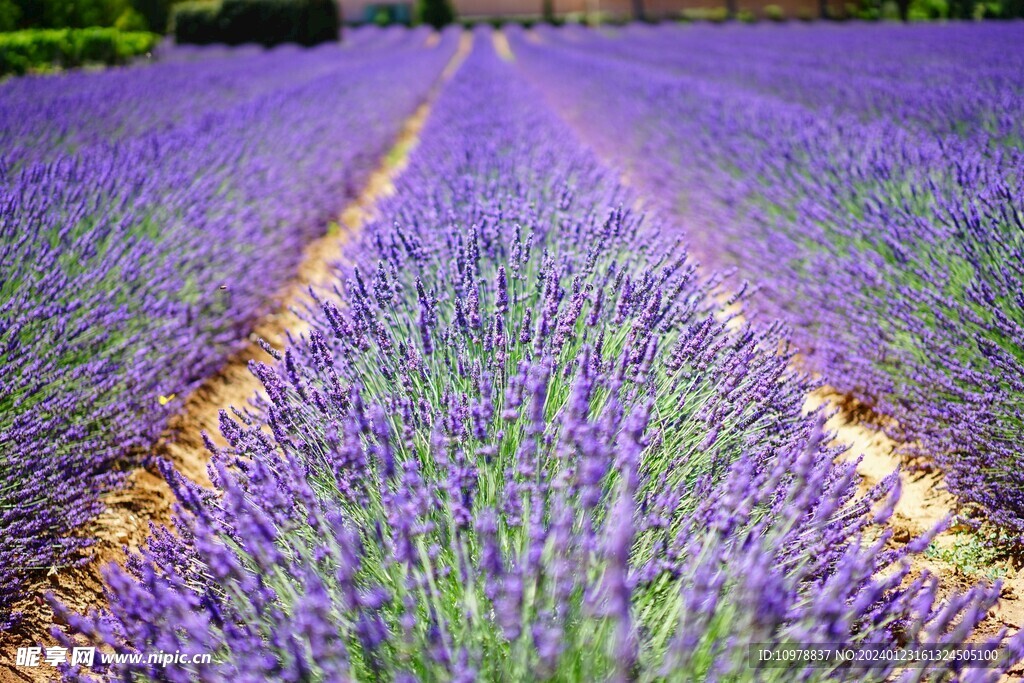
(923,503)
(146,498)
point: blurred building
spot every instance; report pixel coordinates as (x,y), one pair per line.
(368,11)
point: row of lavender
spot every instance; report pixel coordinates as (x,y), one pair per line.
(885,225)
(188,86)
(942,78)
(146,214)
(523,444)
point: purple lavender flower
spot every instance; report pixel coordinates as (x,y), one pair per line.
(559,514)
(135,205)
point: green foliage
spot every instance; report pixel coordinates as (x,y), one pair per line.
(156,13)
(500,22)
(22,51)
(976,553)
(66,13)
(9,15)
(196,22)
(1009,9)
(774,13)
(713,14)
(267,22)
(864,10)
(923,10)
(889,10)
(746,17)
(130,20)
(271,22)
(126,15)
(388,14)
(899,10)
(436,13)
(961,9)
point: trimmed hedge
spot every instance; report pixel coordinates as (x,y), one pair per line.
(267,22)
(196,22)
(436,13)
(22,51)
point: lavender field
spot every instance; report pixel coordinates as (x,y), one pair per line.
(553,304)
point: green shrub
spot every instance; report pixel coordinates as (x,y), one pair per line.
(32,49)
(125,15)
(131,20)
(1008,9)
(746,17)
(865,10)
(156,13)
(10,13)
(267,22)
(94,46)
(924,10)
(196,22)
(714,14)
(961,9)
(774,13)
(69,13)
(498,23)
(272,22)
(436,13)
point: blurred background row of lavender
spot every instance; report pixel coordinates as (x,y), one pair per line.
(48,34)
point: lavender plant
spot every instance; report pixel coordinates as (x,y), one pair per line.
(952,78)
(521,442)
(45,118)
(128,244)
(879,216)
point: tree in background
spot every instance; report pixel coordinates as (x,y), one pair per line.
(10,13)
(961,9)
(155,12)
(1012,9)
(547,11)
(122,14)
(266,22)
(436,13)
